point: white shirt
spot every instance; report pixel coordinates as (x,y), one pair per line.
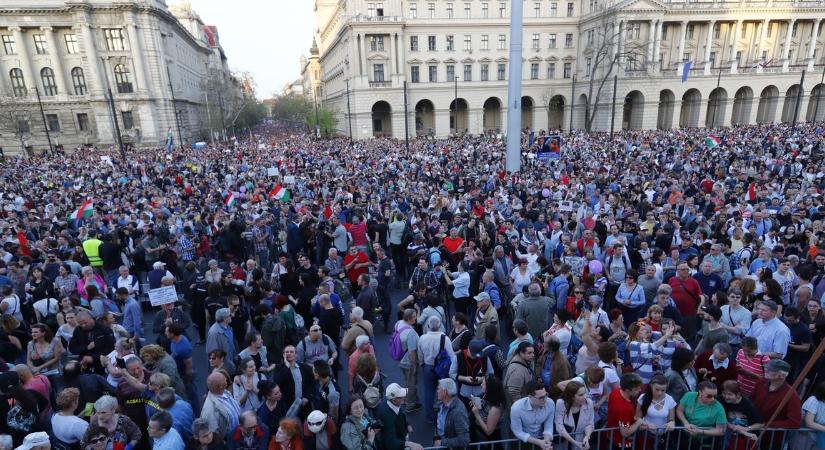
(429,345)
(655,416)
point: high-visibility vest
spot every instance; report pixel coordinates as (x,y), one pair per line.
(92,249)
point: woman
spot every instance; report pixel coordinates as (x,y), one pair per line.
(681,377)
(653,319)
(288,436)
(217,361)
(591,337)
(574,417)
(643,353)
(736,319)
(367,375)
(39,287)
(522,334)
(631,297)
(122,429)
(44,351)
(66,281)
(433,308)
(245,386)
(712,330)
(97,438)
(460,281)
(97,301)
(487,411)
(658,411)
(703,418)
(551,365)
(203,438)
(814,418)
(272,409)
(66,331)
(747,286)
(742,416)
(813,316)
(356,432)
(256,350)
(66,427)
(287,313)
(520,276)
(65,305)
(124,348)
(214,274)
(158,361)
(89,278)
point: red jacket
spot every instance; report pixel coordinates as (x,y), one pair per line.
(766,402)
(717,376)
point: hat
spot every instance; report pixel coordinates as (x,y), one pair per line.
(476,346)
(778,365)
(34,440)
(395,391)
(482,296)
(158,265)
(361,340)
(713,311)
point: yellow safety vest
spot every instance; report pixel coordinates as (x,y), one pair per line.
(92,249)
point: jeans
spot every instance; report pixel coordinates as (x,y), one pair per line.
(430,384)
(263,260)
(110,277)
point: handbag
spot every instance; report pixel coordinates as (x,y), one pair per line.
(8,321)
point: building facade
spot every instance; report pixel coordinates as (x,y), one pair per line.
(72,53)
(744,64)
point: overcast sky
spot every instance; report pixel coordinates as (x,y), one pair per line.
(265,37)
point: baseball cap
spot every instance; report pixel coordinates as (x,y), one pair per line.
(34,440)
(482,296)
(476,346)
(395,391)
(778,365)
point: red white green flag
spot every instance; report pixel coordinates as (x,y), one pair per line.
(229,201)
(279,192)
(712,141)
(86,210)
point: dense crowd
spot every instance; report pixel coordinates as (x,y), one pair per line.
(666,286)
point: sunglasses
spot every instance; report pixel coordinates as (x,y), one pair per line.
(98,440)
(316,424)
(578,292)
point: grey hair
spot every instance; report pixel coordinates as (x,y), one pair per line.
(123,267)
(449,386)
(213,261)
(408,314)
(664,289)
(106,403)
(125,344)
(167,279)
(357,312)
(6,442)
(86,269)
(534,289)
(434,323)
(723,347)
(222,314)
(200,425)
(323,299)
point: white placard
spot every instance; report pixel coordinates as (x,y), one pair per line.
(163,296)
(289,179)
(272,172)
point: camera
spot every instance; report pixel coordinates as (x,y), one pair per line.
(376,425)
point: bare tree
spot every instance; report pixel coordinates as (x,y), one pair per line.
(224,100)
(17,115)
(608,49)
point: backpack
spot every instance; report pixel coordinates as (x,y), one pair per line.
(343,291)
(736,258)
(435,256)
(442,362)
(50,319)
(372,391)
(396,349)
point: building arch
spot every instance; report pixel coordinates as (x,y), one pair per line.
(555,112)
(582,110)
(742,106)
(717,108)
(527,112)
(768,99)
(381,119)
(425,117)
(633,110)
(492,114)
(667,104)
(816,104)
(689,114)
(789,106)
(459,118)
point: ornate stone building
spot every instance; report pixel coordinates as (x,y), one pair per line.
(72,53)
(744,63)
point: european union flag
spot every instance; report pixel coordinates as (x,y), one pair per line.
(686,71)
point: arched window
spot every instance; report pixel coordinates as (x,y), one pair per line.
(18,84)
(49,85)
(124,84)
(79,81)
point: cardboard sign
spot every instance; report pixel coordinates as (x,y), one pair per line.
(272,172)
(289,179)
(163,296)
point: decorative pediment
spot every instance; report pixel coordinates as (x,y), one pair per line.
(642,5)
(552,59)
(501,60)
(568,58)
(484,60)
(535,59)
(449,61)
(415,61)
(432,61)
(467,61)
(378,57)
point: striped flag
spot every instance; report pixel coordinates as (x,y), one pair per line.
(279,192)
(86,210)
(229,201)
(712,141)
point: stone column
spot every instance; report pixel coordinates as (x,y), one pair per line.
(787,47)
(31,79)
(136,49)
(98,84)
(59,73)
(681,49)
(708,45)
(657,45)
(651,40)
(442,122)
(365,62)
(734,46)
(812,46)
(762,36)
(394,65)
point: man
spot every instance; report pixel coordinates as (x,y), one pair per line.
(220,408)
(356,263)
(163,435)
(687,294)
(132,315)
(295,379)
(181,351)
(250,434)
(423,275)
(453,422)
(179,409)
(260,241)
(786,279)
(769,394)
(393,417)
(429,347)
(220,337)
(327,398)
(358,327)
(36,383)
(621,406)
(91,340)
(91,247)
(519,371)
(486,314)
(491,288)
(800,345)
(534,310)
(559,287)
(771,334)
(273,333)
(384,275)
(169,314)
(338,235)
(531,417)
(649,283)
(502,267)
(34,441)
(409,363)
(367,298)
(709,282)
(764,260)
(714,365)
(109,251)
(317,347)
(329,317)
(92,386)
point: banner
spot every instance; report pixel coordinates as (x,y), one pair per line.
(549,147)
(163,296)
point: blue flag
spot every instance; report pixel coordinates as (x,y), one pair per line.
(686,71)
(169,140)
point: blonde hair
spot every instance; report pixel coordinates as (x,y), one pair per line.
(152,353)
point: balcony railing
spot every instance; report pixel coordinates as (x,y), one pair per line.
(380,84)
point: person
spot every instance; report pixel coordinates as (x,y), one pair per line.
(327,393)
(736,319)
(203,438)
(453,422)
(245,385)
(532,417)
(433,309)
(35,441)
(180,410)
(358,327)
(97,438)
(703,418)
(814,410)
(487,410)
(410,362)
(44,351)
(750,365)
(163,435)
(460,334)
(120,427)
(393,418)
(289,435)
(716,366)
(681,377)
(621,405)
(768,398)
(712,330)
(221,337)
(631,297)
(295,379)
(642,351)
(219,407)
(687,295)
(132,315)
(90,340)
(574,417)
(519,372)
(460,281)
(67,428)
(657,410)
(486,314)
(363,347)
(316,346)
(743,419)
(772,336)
(429,347)
(272,408)
(358,431)
(534,310)
(799,347)
(250,434)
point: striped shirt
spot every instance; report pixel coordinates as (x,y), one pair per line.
(642,355)
(665,352)
(755,365)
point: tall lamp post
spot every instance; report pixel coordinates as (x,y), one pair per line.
(111,100)
(455,104)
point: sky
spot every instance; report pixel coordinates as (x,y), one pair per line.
(265,37)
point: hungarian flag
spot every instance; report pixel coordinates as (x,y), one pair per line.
(86,210)
(279,192)
(712,141)
(229,201)
(752,192)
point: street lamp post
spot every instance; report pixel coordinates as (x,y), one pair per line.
(455,105)
(111,100)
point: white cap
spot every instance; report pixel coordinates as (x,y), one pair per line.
(395,391)
(33,440)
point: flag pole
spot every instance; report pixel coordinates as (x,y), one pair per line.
(798,100)
(716,103)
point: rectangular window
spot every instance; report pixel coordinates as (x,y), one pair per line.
(485,41)
(790,55)
(764,55)
(52,122)
(378,72)
(770,30)
(690,28)
(502,10)
(568,40)
(552,41)
(128,120)
(535,44)
(413,10)
(587,66)
(793,29)
(82,122)
(502,41)
(468,42)
(554,9)
(431,43)
(415,77)
(738,58)
(413,43)
(40,44)
(23,126)
(536,9)
(570,10)
(485,10)
(431,10)
(8,44)
(377,43)
(744,30)
(450,72)
(685,57)
(71,43)
(568,70)
(502,68)
(485,72)
(449,10)
(664,32)
(468,12)
(634,30)
(534,71)
(468,72)
(433,73)
(115,42)
(590,36)
(450,43)
(717,30)
(551,71)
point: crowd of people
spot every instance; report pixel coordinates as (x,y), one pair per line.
(653,289)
